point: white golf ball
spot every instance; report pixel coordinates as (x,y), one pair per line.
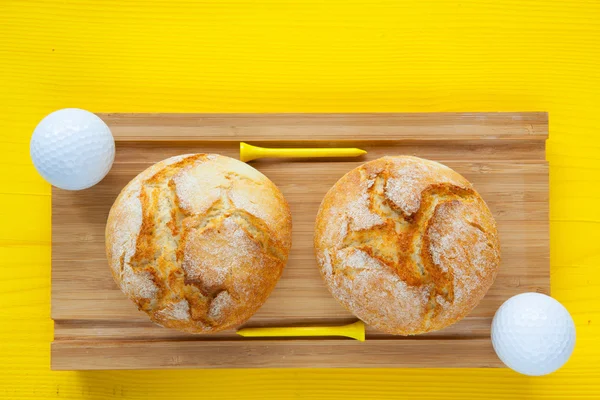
(72,149)
(533,334)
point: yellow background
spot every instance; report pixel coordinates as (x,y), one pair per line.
(277,55)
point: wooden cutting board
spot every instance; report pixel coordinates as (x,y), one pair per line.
(97,327)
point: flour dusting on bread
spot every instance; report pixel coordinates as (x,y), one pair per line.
(360,215)
(409,177)
(406,244)
(198,241)
(178,311)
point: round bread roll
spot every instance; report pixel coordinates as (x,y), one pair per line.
(198,241)
(406,244)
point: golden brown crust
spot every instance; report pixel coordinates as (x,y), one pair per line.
(406,244)
(198,241)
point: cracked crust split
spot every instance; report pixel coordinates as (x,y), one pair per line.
(199,241)
(406,244)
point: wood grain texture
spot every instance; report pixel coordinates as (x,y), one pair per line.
(273,354)
(87,305)
(298,56)
(328,127)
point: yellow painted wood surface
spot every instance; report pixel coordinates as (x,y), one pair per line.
(314,56)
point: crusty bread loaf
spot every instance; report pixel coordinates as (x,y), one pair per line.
(406,244)
(198,241)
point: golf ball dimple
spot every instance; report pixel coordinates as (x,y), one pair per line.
(72,149)
(533,334)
